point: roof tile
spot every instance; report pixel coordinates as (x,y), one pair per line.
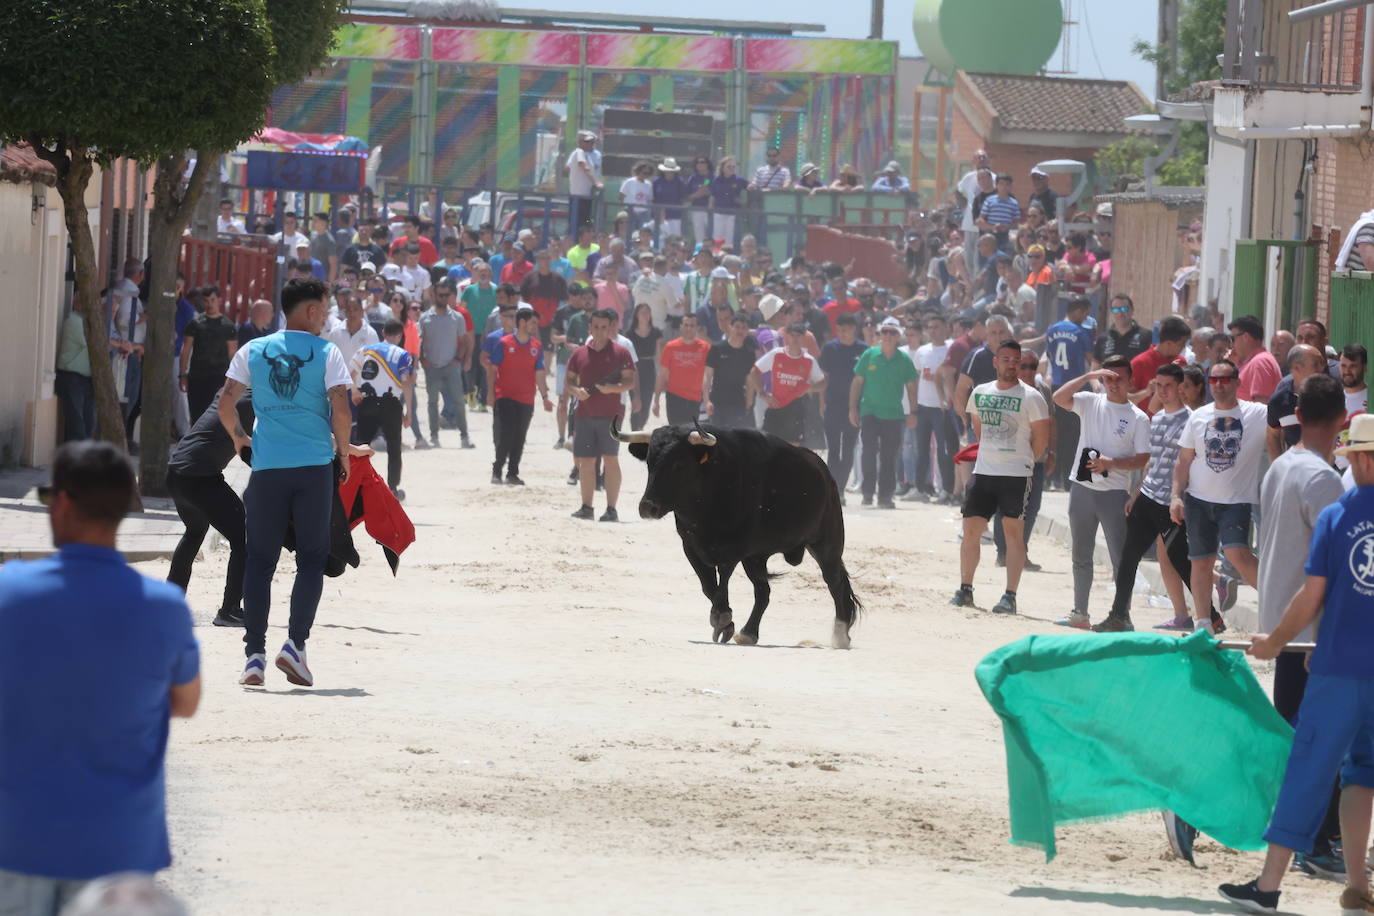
(1062,105)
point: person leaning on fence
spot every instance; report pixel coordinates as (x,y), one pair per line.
(583,169)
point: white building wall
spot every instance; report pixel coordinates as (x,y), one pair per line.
(1226,218)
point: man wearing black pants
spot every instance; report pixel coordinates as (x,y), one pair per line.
(837,360)
(875,406)
(681,373)
(383,378)
(300,389)
(728,403)
(204,500)
(208,345)
(518,359)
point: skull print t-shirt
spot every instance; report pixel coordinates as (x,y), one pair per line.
(290,373)
(1227,445)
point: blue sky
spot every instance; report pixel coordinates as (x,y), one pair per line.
(1108,26)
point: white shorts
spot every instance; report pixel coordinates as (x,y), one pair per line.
(560,378)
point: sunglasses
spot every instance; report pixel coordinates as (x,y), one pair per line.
(1120,309)
(1215,379)
(1038,257)
(415,308)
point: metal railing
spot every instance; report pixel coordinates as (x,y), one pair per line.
(1264,48)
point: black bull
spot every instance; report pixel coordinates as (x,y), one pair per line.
(740,496)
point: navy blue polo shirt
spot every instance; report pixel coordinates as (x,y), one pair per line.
(89,650)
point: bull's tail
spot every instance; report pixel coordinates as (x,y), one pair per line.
(847,599)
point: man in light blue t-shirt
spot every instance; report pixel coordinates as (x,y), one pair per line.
(1068,344)
(300,387)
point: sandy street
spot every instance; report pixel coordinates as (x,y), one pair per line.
(531,717)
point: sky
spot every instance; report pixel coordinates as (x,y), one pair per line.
(1108,27)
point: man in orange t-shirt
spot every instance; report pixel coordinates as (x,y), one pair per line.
(682,367)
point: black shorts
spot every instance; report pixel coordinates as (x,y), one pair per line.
(988,495)
(787,423)
(546,337)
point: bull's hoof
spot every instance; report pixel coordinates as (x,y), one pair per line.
(840,640)
(747,639)
(723,632)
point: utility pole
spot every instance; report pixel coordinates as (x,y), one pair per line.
(875,23)
(1167,45)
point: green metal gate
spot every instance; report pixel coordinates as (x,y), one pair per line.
(1298,289)
(1352,308)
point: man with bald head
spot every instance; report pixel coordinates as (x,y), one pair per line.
(1280,345)
(259,323)
(1304,361)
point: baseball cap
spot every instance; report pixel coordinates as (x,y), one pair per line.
(890,324)
(583,135)
(366,266)
(769,305)
(1039,171)
(720,273)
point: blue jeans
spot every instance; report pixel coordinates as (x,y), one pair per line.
(274,499)
(76,394)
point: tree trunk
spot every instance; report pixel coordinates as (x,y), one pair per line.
(172,208)
(74,169)
(205,218)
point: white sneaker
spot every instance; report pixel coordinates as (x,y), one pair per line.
(254,670)
(291,662)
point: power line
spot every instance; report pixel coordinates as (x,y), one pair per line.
(1092,45)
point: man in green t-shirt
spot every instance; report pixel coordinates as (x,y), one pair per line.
(881,376)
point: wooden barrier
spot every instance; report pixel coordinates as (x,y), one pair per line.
(243,272)
(875,258)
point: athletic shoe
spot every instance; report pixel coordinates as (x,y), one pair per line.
(1031,566)
(867,501)
(1075,621)
(903,489)
(560,443)
(1324,863)
(886,504)
(232,618)
(399,494)
(572,477)
(291,662)
(1176,625)
(514,480)
(254,670)
(1250,897)
(1355,901)
(1114,625)
(433,441)
(496,479)
(1218,624)
(962,598)
(586,513)
(1181,835)
(1227,587)
(421,445)
(467,443)
(1007,605)
(914,496)
(610,515)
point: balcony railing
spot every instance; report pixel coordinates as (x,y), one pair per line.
(1263,48)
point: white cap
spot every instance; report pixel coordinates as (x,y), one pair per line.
(391,270)
(720,273)
(890,322)
(366,266)
(769,305)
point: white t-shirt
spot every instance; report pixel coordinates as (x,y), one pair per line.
(293,241)
(350,344)
(968,186)
(928,359)
(637,191)
(1356,402)
(1227,446)
(579,185)
(1115,430)
(415,280)
(1006,415)
(662,294)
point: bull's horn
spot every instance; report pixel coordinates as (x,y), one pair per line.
(641,435)
(699,437)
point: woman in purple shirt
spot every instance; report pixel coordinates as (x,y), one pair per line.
(726,191)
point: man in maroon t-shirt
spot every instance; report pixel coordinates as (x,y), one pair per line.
(1174,335)
(599,372)
(519,362)
(546,291)
(975,332)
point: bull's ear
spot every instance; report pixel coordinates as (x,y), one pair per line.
(640,450)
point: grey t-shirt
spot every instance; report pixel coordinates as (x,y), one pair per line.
(439,333)
(1297,487)
(322,247)
(1159,474)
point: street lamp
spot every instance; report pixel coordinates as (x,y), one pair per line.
(1067,167)
(1161,127)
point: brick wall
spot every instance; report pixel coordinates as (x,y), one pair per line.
(1342,189)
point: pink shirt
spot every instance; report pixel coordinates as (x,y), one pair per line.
(614,296)
(1259,376)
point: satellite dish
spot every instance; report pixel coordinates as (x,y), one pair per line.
(955,34)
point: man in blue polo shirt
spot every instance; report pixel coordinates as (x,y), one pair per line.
(300,389)
(1068,344)
(1335,726)
(94,658)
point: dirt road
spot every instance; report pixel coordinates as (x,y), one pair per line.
(531,716)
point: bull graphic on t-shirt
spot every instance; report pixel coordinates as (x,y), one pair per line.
(285,373)
(1222,441)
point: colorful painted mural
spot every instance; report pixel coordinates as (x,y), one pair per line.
(660,52)
(791,55)
(506,46)
(380,42)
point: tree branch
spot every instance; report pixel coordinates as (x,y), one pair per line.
(57,158)
(186,205)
